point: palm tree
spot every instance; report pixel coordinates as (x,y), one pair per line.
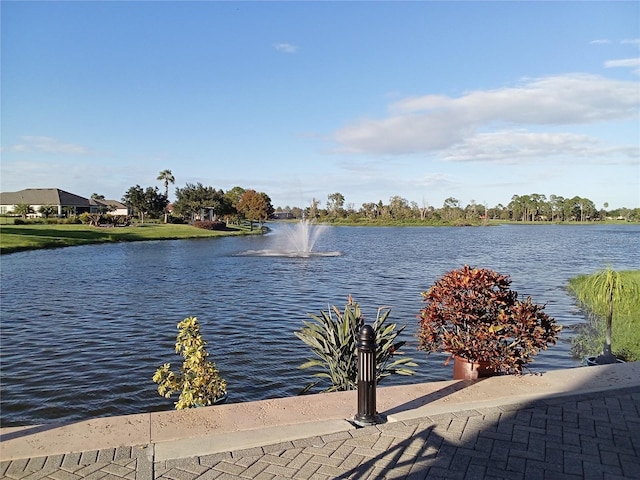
(167,177)
(599,293)
(23,209)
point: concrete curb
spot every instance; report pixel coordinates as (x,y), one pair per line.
(224,428)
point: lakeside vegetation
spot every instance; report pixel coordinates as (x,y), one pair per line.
(625,340)
(15,238)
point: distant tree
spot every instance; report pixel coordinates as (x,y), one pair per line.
(255,207)
(451,209)
(603,211)
(23,209)
(267,200)
(335,203)
(471,211)
(145,202)
(232,198)
(134,199)
(191,199)
(368,210)
(556,205)
(296,212)
(424,210)
(399,207)
(97,196)
(156,202)
(538,204)
(167,177)
(313,209)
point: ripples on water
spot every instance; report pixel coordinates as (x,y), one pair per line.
(84,328)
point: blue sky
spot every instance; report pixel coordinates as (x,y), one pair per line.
(426,100)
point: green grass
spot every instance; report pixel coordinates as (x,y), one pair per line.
(625,340)
(15,238)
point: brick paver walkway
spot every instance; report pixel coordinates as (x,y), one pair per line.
(594,436)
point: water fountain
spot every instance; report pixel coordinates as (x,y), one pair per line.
(296,240)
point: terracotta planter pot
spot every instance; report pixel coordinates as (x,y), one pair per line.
(463,369)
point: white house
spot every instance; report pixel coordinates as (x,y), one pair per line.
(64,202)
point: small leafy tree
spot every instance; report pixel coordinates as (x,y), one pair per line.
(199,381)
(255,206)
(473,314)
(333,339)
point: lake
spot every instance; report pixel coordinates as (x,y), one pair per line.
(84,328)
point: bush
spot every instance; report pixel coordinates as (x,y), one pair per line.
(333,340)
(210,225)
(199,382)
(473,314)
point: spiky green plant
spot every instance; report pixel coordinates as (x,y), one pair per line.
(199,382)
(598,293)
(333,337)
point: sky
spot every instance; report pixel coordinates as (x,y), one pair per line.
(478,101)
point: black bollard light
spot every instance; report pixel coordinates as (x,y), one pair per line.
(367,414)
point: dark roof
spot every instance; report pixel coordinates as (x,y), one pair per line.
(43,196)
(109,203)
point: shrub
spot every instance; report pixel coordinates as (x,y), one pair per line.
(333,339)
(210,225)
(473,314)
(199,381)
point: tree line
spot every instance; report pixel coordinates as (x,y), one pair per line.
(239,204)
(525,208)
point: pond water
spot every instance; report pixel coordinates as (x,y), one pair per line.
(84,328)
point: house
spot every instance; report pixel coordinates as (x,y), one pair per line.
(283,215)
(112,207)
(64,202)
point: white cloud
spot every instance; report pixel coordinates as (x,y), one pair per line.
(601,41)
(625,62)
(634,41)
(32,144)
(431,123)
(285,47)
(518,146)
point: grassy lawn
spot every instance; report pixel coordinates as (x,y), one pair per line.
(625,340)
(15,238)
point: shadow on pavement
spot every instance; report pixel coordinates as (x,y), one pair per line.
(431,397)
(582,436)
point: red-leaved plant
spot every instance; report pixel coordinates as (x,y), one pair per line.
(473,314)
